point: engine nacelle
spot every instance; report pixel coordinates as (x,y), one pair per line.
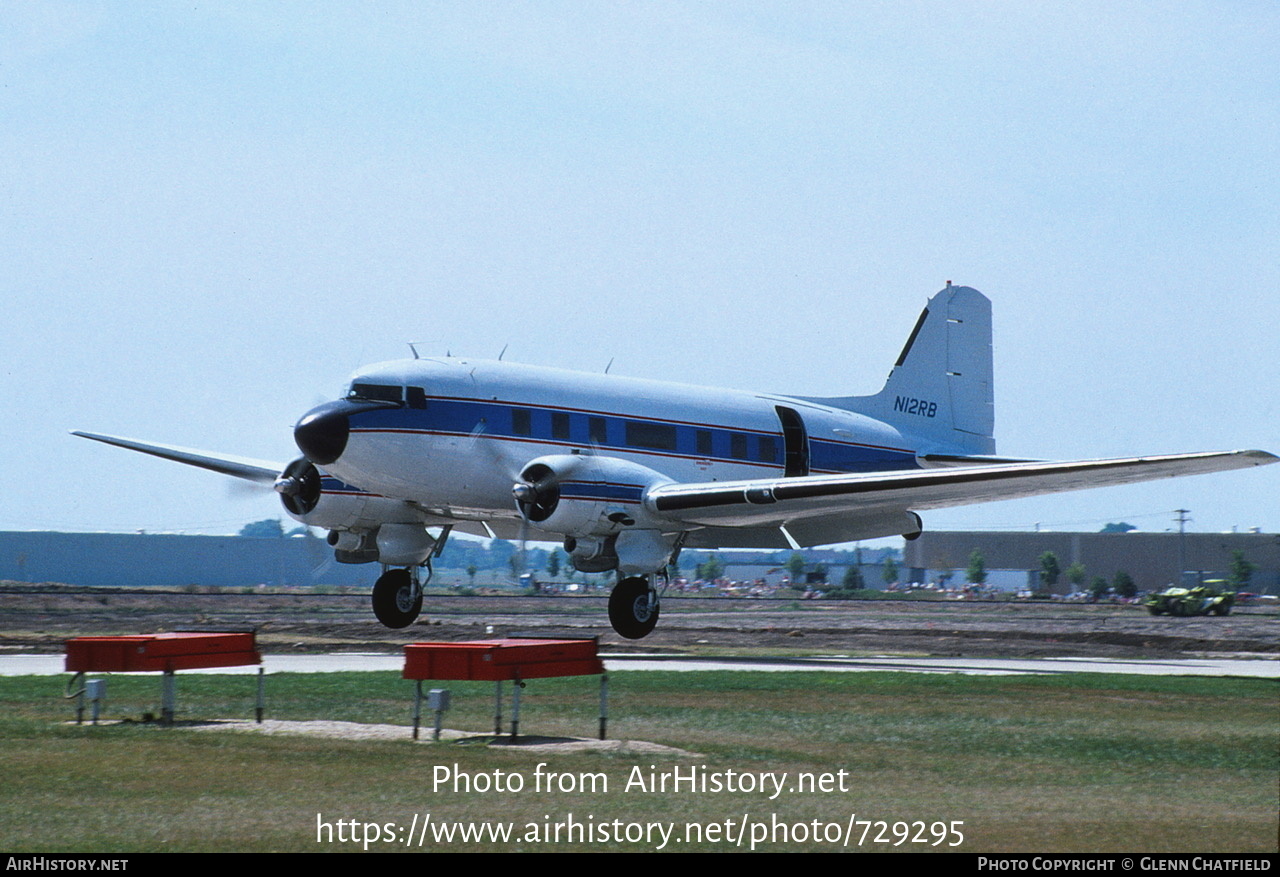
(317,499)
(363,528)
(404,544)
(589,554)
(392,544)
(586,497)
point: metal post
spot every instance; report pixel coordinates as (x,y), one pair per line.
(417,707)
(438,700)
(97,692)
(168,696)
(497,708)
(261,708)
(604,704)
(1182,546)
(515,708)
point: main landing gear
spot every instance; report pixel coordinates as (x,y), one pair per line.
(397,597)
(633,607)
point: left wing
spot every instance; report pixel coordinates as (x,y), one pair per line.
(261,471)
(779,501)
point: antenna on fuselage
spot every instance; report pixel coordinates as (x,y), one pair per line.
(413,347)
(504,351)
(609,366)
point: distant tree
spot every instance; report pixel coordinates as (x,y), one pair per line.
(471,573)
(1124,585)
(1099,587)
(889,572)
(976,574)
(795,567)
(553,563)
(268,529)
(1121,527)
(1240,571)
(1076,575)
(500,553)
(711,569)
(1050,570)
(853,580)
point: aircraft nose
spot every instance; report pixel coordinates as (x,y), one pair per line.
(321,434)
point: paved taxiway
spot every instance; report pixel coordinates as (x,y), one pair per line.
(51,665)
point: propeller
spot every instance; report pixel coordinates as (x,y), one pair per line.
(299,486)
(537,492)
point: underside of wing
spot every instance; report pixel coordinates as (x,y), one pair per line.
(261,471)
(841,504)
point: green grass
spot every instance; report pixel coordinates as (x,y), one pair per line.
(1048,763)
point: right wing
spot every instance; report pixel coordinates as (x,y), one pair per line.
(777,502)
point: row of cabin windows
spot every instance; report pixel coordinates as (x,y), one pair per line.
(639,433)
(651,436)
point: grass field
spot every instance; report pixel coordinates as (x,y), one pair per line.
(1032,764)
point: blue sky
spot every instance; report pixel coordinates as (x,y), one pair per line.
(212,214)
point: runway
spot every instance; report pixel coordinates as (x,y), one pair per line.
(52,665)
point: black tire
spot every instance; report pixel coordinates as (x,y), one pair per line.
(1155,610)
(394,601)
(629,611)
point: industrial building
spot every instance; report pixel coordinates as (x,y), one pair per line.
(1012,559)
(1154,560)
(166,560)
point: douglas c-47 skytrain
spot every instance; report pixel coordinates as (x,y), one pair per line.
(627,472)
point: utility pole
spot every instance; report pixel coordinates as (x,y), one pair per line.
(1182,544)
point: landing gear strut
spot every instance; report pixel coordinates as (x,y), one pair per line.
(633,607)
(397,598)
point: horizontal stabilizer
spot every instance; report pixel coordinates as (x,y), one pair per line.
(261,471)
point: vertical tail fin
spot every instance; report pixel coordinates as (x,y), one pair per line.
(940,389)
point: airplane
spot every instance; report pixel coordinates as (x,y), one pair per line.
(628,472)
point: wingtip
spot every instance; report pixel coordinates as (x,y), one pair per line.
(1260,458)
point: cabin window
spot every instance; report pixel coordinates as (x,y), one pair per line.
(377,392)
(704,442)
(521,421)
(559,425)
(416,397)
(659,436)
(768,449)
(598,431)
(738,446)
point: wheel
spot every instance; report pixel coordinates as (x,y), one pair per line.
(1154,609)
(396,600)
(630,611)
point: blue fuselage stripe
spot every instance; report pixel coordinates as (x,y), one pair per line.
(607,431)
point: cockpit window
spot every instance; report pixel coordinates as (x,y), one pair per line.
(377,393)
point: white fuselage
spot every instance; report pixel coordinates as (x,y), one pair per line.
(465,429)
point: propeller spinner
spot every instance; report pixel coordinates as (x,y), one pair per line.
(299,486)
(537,492)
